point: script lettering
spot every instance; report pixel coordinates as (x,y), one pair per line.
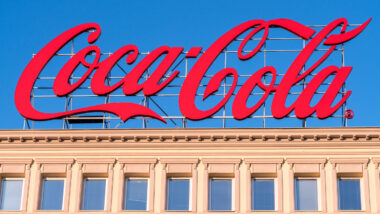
(161,77)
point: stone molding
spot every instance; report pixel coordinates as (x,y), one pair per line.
(192,135)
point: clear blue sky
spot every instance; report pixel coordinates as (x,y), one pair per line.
(26,26)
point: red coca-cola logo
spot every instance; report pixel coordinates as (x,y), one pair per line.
(240,109)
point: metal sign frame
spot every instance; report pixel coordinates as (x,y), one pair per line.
(107,120)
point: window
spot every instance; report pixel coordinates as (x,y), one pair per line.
(349,194)
(178,194)
(306,194)
(93,196)
(52,194)
(262,197)
(135,194)
(11,193)
(220,194)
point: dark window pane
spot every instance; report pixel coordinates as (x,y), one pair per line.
(220,197)
(178,194)
(262,194)
(306,194)
(93,194)
(11,194)
(52,194)
(135,194)
(349,194)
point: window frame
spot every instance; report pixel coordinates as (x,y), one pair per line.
(190,192)
(10,178)
(362,193)
(18,168)
(276,195)
(309,168)
(94,168)
(222,168)
(179,168)
(267,168)
(83,188)
(233,188)
(319,192)
(139,168)
(126,178)
(52,178)
(352,168)
(53,167)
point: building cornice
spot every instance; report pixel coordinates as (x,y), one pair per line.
(192,135)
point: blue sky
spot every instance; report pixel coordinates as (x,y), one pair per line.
(26,26)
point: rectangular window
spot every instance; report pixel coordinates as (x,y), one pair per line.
(349,194)
(178,194)
(262,197)
(93,196)
(306,194)
(135,194)
(220,194)
(11,194)
(52,194)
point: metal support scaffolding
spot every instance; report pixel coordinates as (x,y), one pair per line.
(165,103)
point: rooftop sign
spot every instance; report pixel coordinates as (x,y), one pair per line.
(165,56)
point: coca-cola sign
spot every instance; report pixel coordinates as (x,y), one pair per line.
(155,83)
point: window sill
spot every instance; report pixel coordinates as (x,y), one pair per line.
(264,211)
(351,211)
(11,211)
(308,212)
(339,211)
(342,212)
(177,211)
(49,211)
(222,212)
(92,211)
(165,212)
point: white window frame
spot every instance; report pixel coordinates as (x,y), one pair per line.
(50,178)
(275,181)
(190,192)
(93,178)
(126,178)
(22,189)
(319,195)
(362,194)
(232,179)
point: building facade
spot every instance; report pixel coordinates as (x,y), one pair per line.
(308,170)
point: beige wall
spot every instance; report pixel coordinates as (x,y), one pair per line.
(198,154)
